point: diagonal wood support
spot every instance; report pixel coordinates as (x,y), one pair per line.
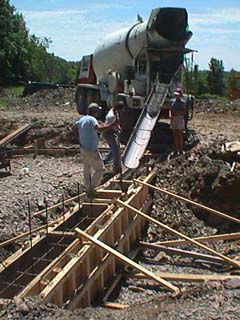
(215,237)
(189,277)
(128,261)
(181,235)
(180,252)
(221,214)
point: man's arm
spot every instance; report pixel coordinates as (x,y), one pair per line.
(102,126)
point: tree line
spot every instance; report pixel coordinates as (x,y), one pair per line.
(24,56)
(215,81)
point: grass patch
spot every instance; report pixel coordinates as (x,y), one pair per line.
(9,94)
(17,91)
(6,101)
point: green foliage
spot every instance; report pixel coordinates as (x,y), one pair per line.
(24,57)
(201,83)
(13,43)
(10,95)
(215,77)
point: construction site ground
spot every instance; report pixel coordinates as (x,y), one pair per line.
(206,173)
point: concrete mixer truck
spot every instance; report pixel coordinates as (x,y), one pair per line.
(125,65)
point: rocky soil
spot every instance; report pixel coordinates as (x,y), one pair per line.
(204,174)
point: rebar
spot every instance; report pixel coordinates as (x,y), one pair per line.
(29,222)
(46,210)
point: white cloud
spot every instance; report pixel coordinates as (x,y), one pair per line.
(74,33)
(107,5)
(215,17)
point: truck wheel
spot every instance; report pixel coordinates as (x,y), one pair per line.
(81,99)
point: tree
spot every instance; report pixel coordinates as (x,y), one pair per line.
(215,77)
(202,83)
(13,42)
(24,57)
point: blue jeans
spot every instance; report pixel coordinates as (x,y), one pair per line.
(114,152)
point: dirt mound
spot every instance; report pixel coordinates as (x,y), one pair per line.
(216,105)
(47,98)
(202,176)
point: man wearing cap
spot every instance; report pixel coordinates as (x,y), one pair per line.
(88,126)
(111,135)
(177,115)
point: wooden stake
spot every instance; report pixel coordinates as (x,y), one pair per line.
(181,235)
(221,214)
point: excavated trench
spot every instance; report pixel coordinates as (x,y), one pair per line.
(33,271)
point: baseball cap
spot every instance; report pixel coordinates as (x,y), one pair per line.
(94,107)
(178,92)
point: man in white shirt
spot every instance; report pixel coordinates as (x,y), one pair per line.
(111,135)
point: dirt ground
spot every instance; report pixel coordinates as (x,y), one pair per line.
(204,174)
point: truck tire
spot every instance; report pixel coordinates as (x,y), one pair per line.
(85,96)
(81,99)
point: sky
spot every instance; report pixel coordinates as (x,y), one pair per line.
(75,27)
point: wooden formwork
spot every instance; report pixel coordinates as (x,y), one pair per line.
(67,271)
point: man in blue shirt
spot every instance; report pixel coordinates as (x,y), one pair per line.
(93,166)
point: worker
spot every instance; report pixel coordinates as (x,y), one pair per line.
(111,135)
(88,126)
(177,115)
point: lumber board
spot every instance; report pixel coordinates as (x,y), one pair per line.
(186,277)
(217,237)
(109,193)
(5,301)
(219,213)
(52,151)
(179,234)
(114,305)
(16,133)
(62,233)
(128,261)
(233,146)
(195,255)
